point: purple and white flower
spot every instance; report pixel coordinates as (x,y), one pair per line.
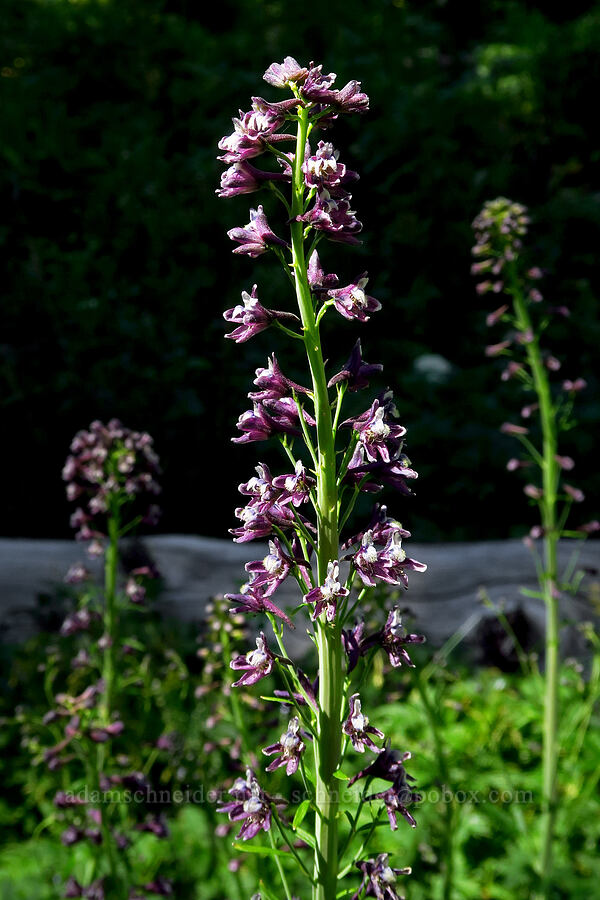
(357,727)
(288,749)
(326,596)
(256,664)
(256,237)
(379,879)
(352,302)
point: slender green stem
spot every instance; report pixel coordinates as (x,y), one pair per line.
(282,875)
(550,478)
(327,746)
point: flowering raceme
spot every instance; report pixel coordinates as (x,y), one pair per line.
(303,510)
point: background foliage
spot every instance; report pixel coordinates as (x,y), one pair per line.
(116,266)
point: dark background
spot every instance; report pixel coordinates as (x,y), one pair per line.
(116,267)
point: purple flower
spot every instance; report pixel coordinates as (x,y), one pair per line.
(258,520)
(270,417)
(250,804)
(252,132)
(396,799)
(398,563)
(368,561)
(160,886)
(326,596)
(244,178)
(288,72)
(109,465)
(260,487)
(256,664)
(295,489)
(77,574)
(94,891)
(393,638)
(356,373)
(358,729)
(351,642)
(334,217)
(317,279)
(252,317)
(387,765)
(274,385)
(378,434)
(288,749)
(256,237)
(269,573)
(323,169)
(379,879)
(78,621)
(254,600)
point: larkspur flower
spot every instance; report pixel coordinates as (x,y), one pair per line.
(295,488)
(287,750)
(259,518)
(269,573)
(256,664)
(379,879)
(378,434)
(250,805)
(333,216)
(393,638)
(352,302)
(326,596)
(286,73)
(244,178)
(398,563)
(356,373)
(357,727)
(274,385)
(251,317)
(256,237)
(253,599)
(319,282)
(368,561)
(324,170)
(252,131)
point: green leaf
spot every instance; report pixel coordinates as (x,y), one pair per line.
(526,592)
(259,850)
(300,813)
(306,837)
(341,776)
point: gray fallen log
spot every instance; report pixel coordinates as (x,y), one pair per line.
(443,600)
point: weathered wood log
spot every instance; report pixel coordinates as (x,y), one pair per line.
(443,600)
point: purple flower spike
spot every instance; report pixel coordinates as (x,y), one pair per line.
(358,729)
(326,596)
(251,318)
(256,237)
(379,879)
(352,302)
(288,749)
(253,600)
(288,72)
(350,99)
(256,664)
(356,372)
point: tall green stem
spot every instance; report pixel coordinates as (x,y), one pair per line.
(550,479)
(327,746)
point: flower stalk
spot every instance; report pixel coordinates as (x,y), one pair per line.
(499,230)
(372,456)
